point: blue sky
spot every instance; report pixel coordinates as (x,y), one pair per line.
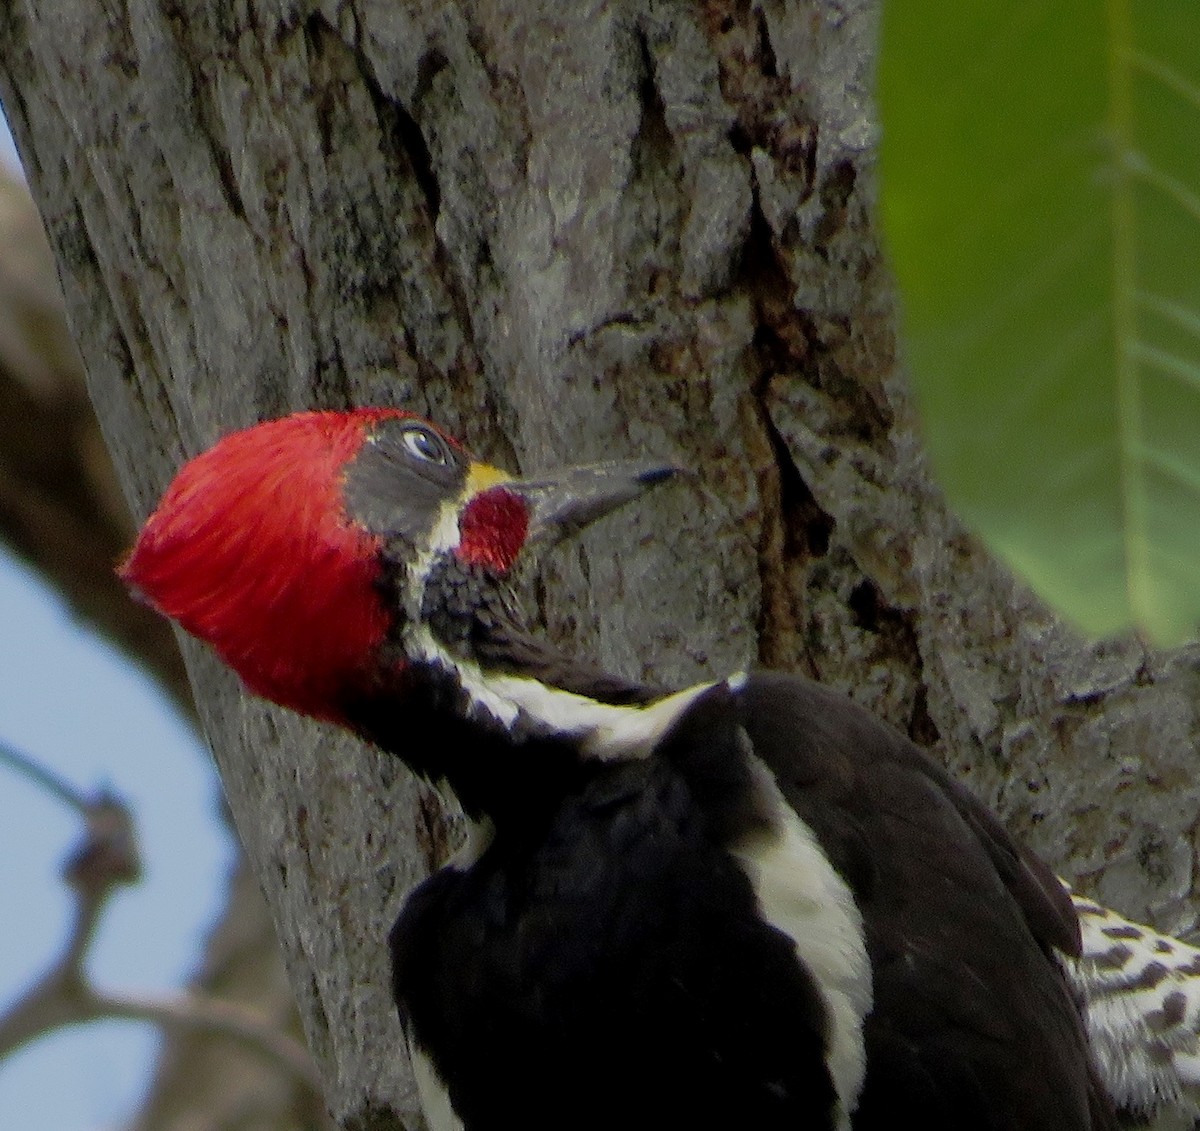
(72,702)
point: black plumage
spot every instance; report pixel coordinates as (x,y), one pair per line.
(604,966)
(604,963)
(972,1015)
(748,904)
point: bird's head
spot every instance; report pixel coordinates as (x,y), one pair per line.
(327,555)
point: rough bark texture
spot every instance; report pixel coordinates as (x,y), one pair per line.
(62,511)
(564,232)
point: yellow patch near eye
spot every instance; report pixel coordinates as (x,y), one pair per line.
(481,476)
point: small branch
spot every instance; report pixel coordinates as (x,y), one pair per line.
(52,1003)
(107,859)
(62,997)
(47,779)
(221,1018)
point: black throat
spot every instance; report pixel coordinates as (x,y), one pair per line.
(510,771)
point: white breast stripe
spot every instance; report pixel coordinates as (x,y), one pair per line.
(435,1100)
(480,835)
(800,893)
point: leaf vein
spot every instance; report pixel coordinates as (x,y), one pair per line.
(1167,75)
(1141,167)
(1166,362)
(1174,312)
(1128,392)
(1170,466)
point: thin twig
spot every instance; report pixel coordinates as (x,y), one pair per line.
(47,779)
(106,859)
(222,1018)
(62,997)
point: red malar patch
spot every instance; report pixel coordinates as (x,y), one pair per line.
(492,529)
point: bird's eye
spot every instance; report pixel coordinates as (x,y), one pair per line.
(424,445)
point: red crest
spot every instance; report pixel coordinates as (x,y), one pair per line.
(251,550)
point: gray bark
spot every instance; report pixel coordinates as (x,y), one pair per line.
(563,232)
(62,511)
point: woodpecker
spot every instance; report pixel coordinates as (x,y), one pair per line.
(746,903)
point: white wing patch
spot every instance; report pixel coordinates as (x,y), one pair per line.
(800,894)
(1141,992)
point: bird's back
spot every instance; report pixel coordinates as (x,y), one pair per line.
(613,961)
(972,1021)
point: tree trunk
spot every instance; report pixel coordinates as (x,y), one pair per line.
(62,512)
(563,232)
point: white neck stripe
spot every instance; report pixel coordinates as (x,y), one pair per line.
(604,731)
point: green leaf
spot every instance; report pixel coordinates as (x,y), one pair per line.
(1041,200)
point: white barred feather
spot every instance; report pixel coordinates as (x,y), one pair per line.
(1141,996)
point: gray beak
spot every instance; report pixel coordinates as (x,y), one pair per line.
(568,500)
